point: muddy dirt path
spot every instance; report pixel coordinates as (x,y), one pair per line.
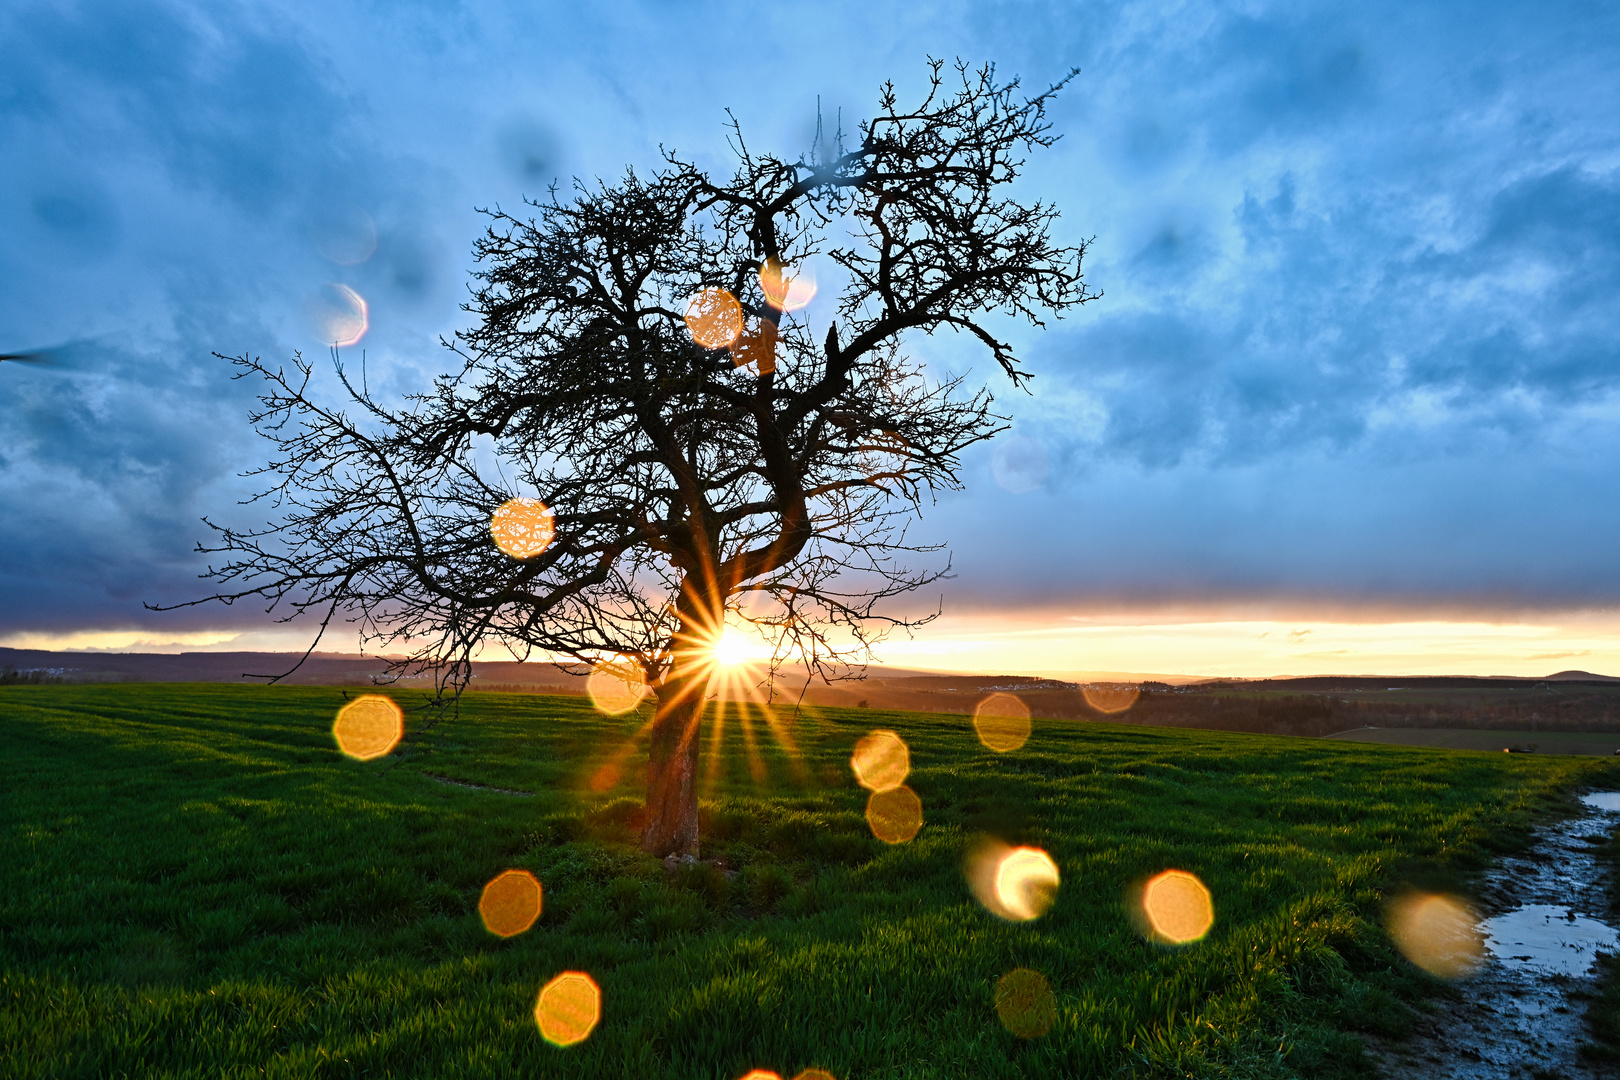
(1521,1015)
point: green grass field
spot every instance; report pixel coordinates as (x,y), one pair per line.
(193,882)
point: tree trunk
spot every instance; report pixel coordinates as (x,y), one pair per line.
(672,765)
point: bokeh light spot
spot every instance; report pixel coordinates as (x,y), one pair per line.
(339,315)
(1111,699)
(616,686)
(756,345)
(369,726)
(1016,884)
(1438,933)
(1177,907)
(569,1007)
(523,528)
(815,1074)
(1002,721)
(787,288)
(714,317)
(761,1074)
(510,903)
(881,761)
(1025,1003)
(895,814)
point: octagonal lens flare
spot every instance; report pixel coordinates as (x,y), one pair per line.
(815,1074)
(523,528)
(1025,1004)
(338,314)
(756,345)
(1177,908)
(616,686)
(714,318)
(1016,884)
(568,1009)
(881,761)
(761,1074)
(894,814)
(1438,933)
(1002,721)
(510,903)
(787,288)
(369,727)
(1111,699)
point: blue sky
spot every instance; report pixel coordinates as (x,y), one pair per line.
(1355,362)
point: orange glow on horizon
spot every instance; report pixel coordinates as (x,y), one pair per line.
(894,814)
(510,903)
(523,528)
(1438,933)
(368,727)
(1177,908)
(569,1008)
(1025,1003)
(714,318)
(1002,721)
(881,761)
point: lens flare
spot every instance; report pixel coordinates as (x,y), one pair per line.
(756,345)
(345,234)
(616,686)
(1019,464)
(787,288)
(714,317)
(881,761)
(761,1074)
(732,648)
(1002,721)
(338,314)
(895,814)
(1438,933)
(1025,1003)
(1111,699)
(523,528)
(510,903)
(369,727)
(1176,908)
(1016,884)
(815,1074)
(569,1007)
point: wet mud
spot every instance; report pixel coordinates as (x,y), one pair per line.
(1522,1014)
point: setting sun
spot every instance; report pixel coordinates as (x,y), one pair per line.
(733,648)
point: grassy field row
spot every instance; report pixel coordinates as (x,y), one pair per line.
(194,883)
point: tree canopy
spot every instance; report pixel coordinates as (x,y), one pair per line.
(644,438)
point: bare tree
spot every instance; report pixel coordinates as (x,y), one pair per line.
(635,367)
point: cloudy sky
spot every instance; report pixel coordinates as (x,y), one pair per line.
(1350,401)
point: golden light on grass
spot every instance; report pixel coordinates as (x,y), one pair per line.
(510,903)
(881,761)
(1111,699)
(339,314)
(523,528)
(1016,884)
(787,288)
(369,727)
(616,686)
(1176,908)
(568,1009)
(1438,933)
(1002,721)
(894,814)
(714,317)
(1025,1003)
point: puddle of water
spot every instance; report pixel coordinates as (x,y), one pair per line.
(1603,800)
(1547,937)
